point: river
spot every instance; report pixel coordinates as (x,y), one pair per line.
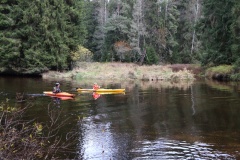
(152,120)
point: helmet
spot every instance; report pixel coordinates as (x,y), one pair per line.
(57,84)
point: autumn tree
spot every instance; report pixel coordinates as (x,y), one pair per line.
(116,29)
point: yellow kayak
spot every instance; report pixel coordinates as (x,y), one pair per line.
(101,93)
(100,90)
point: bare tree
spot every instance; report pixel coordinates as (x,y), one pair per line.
(30,139)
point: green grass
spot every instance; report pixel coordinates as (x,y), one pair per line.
(223,69)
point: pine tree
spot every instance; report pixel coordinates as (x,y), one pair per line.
(151,55)
(235,31)
(100,15)
(138,30)
(162,18)
(40,34)
(215,32)
(91,25)
(190,12)
(116,29)
(10,49)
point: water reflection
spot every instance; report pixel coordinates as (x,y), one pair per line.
(162,123)
(95,95)
(56,101)
(153,120)
(98,142)
(164,148)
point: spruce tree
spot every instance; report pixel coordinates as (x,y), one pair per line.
(235,32)
(215,32)
(116,29)
(39,35)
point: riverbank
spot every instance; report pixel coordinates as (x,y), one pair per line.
(127,71)
(223,73)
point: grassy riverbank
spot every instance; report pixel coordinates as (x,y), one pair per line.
(223,73)
(125,71)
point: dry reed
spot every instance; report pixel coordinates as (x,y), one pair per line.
(122,71)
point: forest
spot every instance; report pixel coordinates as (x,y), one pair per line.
(42,35)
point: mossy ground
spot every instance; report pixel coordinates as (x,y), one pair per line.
(222,72)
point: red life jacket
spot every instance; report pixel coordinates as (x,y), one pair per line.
(95,86)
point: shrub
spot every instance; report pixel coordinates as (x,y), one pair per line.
(82,55)
(28,139)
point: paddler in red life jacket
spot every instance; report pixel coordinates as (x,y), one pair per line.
(95,86)
(56,89)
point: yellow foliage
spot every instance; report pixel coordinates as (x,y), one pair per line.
(82,54)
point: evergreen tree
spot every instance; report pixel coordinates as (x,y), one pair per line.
(9,42)
(152,57)
(215,33)
(138,30)
(186,35)
(91,25)
(116,28)
(162,18)
(39,34)
(235,31)
(155,27)
(100,15)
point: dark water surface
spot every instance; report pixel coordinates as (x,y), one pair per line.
(152,120)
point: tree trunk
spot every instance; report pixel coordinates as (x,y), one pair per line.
(194,31)
(143,55)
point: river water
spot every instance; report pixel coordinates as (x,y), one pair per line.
(152,120)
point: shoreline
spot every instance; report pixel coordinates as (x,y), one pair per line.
(127,71)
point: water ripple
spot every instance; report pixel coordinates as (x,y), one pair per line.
(172,149)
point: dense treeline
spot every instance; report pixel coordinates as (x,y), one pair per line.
(219,31)
(37,36)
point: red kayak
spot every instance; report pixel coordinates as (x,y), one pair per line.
(63,98)
(61,94)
